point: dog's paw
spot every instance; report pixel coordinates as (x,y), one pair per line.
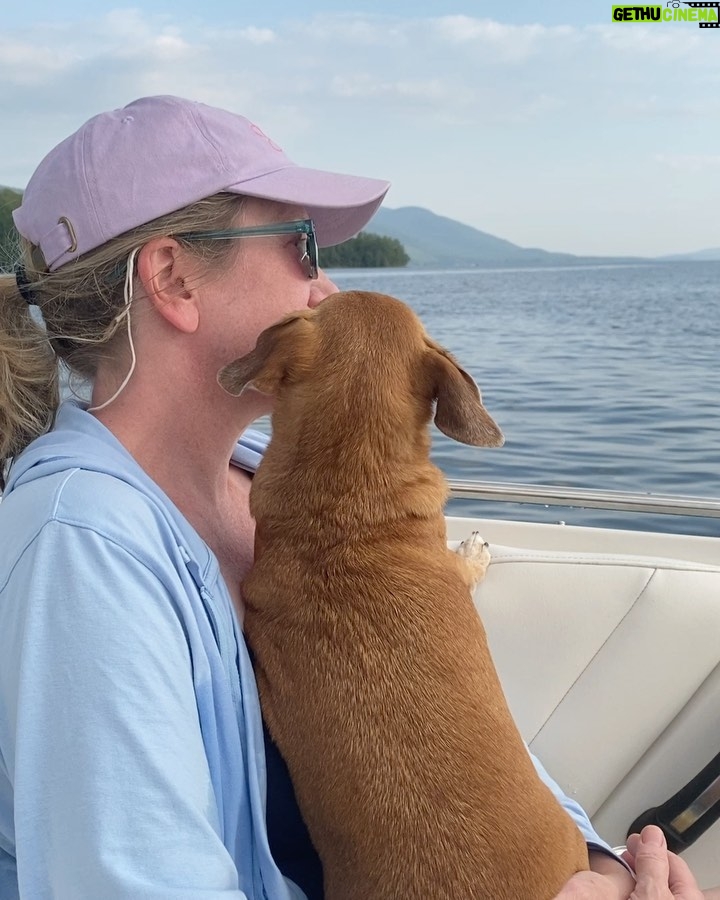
(475,548)
(475,552)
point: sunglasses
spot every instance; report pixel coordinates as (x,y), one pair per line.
(305,228)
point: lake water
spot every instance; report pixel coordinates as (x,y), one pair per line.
(600,377)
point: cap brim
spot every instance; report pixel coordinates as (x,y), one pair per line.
(339,205)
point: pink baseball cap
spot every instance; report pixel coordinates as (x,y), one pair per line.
(126,167)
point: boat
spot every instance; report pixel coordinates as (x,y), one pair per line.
(607,642)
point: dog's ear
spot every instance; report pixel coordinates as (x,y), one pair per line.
(282,353)
(459,412)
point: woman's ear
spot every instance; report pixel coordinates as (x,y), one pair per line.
(165,270)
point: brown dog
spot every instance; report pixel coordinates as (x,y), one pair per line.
(374,673)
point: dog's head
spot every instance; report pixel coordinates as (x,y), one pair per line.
(360,342)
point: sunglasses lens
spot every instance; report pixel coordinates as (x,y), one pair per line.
(307,248)
(303,254)
(313,251)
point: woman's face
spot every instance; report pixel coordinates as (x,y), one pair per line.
(262,282)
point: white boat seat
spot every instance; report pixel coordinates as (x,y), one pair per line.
(610,663)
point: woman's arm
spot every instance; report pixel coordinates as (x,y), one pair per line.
(615,871)
(597,847)
(660,875)
(618,881)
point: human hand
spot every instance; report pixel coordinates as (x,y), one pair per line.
(593,886)
(661,875)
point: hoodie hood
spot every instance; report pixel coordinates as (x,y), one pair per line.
(78,441)
(98,450)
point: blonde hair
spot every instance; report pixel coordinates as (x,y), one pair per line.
(80,305)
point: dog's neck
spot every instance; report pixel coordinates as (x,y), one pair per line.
(342,468)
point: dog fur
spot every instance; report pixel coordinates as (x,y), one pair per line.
(374,673)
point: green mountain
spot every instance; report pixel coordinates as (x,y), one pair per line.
(9,200)
(433,241)
(711,254)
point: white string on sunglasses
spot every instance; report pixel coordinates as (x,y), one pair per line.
(124,313)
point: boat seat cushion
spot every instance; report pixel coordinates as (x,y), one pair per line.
(610,663)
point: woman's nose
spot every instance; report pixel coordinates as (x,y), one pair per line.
(321,288)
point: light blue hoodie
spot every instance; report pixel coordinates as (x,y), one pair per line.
(132,764)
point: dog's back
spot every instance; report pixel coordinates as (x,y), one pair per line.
(374,673)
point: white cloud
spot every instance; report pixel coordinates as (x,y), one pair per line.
(662,41)
(258,35)
(354,30)
(430,91)
(23,62)
(506,43)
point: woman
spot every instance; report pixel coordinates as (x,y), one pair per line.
(158,241)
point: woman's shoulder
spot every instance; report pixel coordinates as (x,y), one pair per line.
(83,497)
(100,504)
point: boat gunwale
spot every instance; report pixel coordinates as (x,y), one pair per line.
(559,495)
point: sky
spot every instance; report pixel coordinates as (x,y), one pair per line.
(546,124)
